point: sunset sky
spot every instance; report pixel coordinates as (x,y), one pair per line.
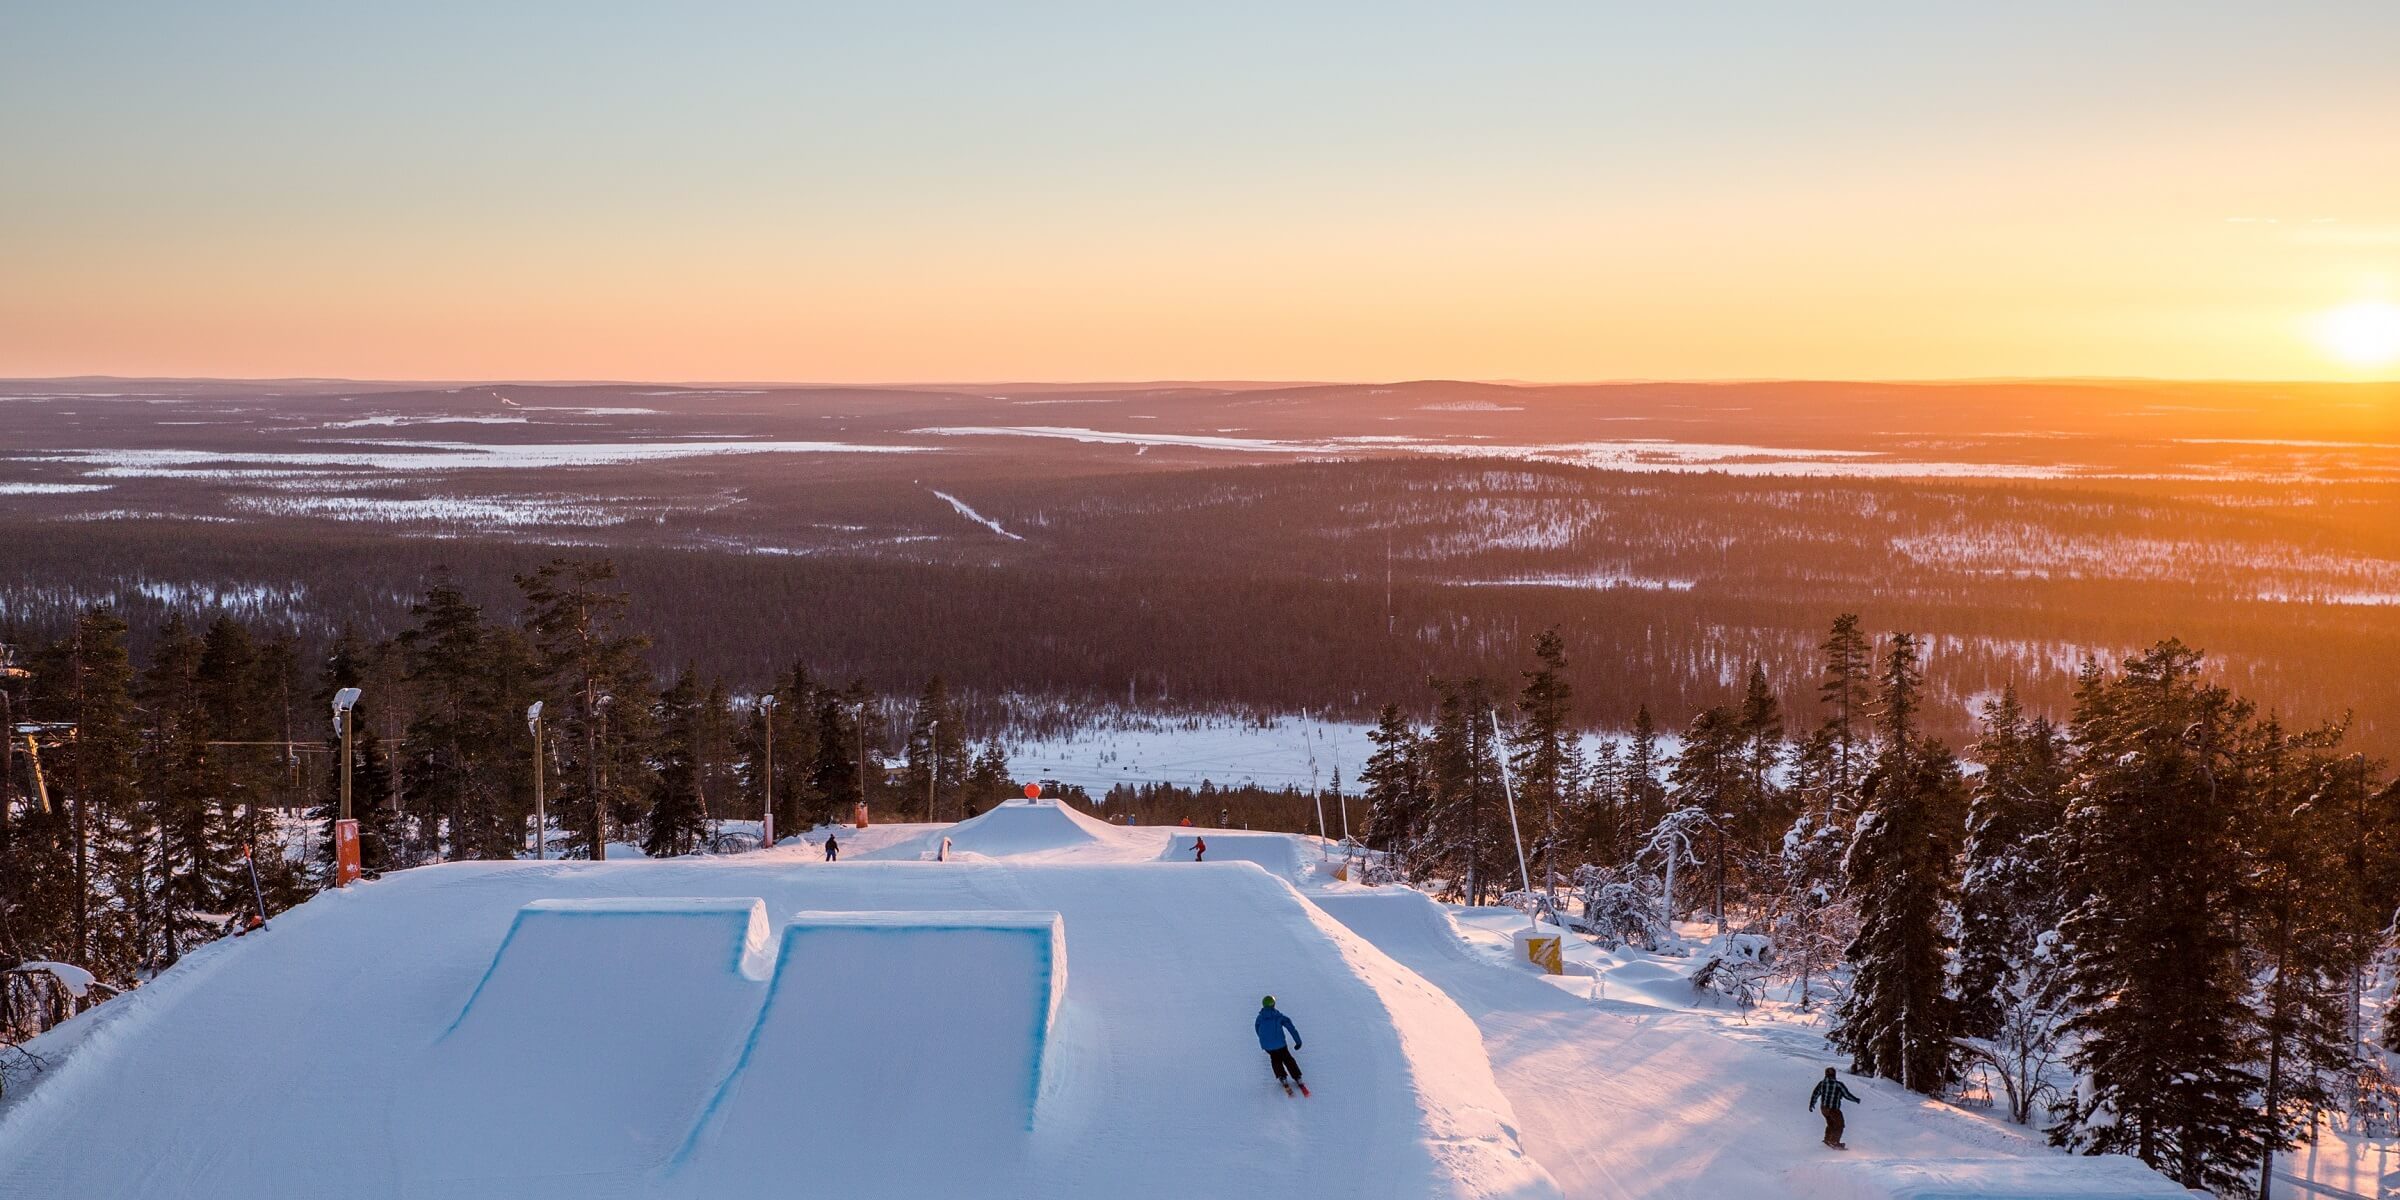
(1124,190)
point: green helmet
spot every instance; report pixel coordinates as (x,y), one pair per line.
(1268,1002)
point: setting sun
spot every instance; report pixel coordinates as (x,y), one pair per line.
(2365,334)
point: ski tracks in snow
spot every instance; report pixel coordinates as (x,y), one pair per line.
(968,511)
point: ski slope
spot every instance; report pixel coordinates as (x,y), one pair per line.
(1623,1099)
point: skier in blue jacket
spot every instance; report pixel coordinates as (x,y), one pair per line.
(1272,1026)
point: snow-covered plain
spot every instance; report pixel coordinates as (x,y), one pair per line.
(890,1025)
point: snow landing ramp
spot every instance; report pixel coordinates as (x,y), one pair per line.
(530,1082)
(936,1022)
(1279,854)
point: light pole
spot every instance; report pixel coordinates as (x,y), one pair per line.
(541,813)
(346,864)
(766,826)
(933,763)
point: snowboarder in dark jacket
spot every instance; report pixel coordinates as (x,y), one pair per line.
(1272,1026)
(833,849)
(1828,1096)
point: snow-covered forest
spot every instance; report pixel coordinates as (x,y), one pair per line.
(2149,925)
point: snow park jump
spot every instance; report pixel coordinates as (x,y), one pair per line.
(1278,854)
(572,975)
(973,995)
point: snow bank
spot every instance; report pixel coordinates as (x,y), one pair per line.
(2107,1177)
(925,1021)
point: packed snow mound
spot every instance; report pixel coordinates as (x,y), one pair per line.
(552,1023)
(2108,1177)
(334,1047)
(960,1005)
(1279,853)
(1020,827)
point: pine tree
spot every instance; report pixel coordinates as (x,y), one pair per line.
(2164,1040)
(1902,873)
(794,716)
(574,615)
(1849,658)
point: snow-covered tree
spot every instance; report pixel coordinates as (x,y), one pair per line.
(1902,872)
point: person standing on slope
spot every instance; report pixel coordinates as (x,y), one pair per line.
(1271,1026)
(1199,849)
(833,849)
(1828,1095)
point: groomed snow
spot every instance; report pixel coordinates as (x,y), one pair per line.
(311,1056)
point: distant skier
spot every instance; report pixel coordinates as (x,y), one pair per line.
(833,848)
(1828,1095)
(1199,849)
(1271,1026)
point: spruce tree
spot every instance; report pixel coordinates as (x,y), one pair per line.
(987,779)
(2163,1037)
(86,681)
(1901,872)
(678,817)
(461,742)
(1542,747)
(937,753)
(1393,782)
(183,794)
(2011,893)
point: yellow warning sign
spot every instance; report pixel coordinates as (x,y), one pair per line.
(1543,952)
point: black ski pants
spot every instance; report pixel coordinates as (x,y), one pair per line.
(1833,1126)
(1285,1065)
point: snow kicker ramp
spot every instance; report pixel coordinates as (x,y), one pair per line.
(1014,829)
(530,1083)
(1278,853)
(967,999)
(296,1062)
(1633,1100)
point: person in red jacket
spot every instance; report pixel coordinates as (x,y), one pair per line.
(1199,849)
